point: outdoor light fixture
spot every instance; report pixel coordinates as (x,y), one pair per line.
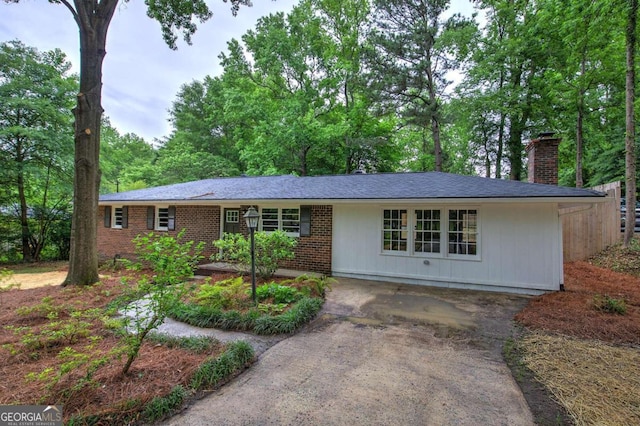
(252,217)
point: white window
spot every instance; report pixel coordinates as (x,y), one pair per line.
(291,221)
(270,220)
(118,217)
(233,216)
(463,232)
(427,231)
(394,230)
(284,219)
(436,232)
(162,219)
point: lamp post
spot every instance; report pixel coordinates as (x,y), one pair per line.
(252,217)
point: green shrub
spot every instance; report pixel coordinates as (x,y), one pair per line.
(609,304)
(320,285)
(214,371)
(223,294)
(159,407)
(254,320)
(195,344)
(270,249)
(172,263)
(270,308)
(280,293)
(288,322)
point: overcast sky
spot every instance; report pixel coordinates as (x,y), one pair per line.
(141,75)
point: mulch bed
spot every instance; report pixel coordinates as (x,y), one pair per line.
(154,373)
(572,312)
(589,360)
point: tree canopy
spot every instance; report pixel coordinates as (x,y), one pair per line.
(36,92)
(338,86)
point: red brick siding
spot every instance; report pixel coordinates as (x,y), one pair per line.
(313,253)
(543,160)
(201,223)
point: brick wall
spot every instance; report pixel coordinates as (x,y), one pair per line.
(202,223)
(542,155)
(313,253)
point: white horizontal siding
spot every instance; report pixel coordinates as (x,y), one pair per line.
(520,250)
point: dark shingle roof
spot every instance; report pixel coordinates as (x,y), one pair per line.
(389,186)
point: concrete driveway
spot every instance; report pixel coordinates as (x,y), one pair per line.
(381,354)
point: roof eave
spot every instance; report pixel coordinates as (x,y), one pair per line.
(461,200)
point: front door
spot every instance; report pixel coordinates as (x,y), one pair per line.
(231,221)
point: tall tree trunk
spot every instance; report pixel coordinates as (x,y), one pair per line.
(437,147)
(500,152)
(24,208)
(93,20)
(579,141)
(425,149)
(435,119)
(579,126)
(514,141)
(630,154)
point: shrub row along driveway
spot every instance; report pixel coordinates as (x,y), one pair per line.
(381,354)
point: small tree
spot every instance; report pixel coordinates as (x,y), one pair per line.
(271,248)
(172,264)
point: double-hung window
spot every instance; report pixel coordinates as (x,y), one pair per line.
(463,232)
(116,217)
(394,230)
(427,233)
(161,218)
(433,232)
(283,219)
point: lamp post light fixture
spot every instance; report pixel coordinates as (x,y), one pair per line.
(252,217)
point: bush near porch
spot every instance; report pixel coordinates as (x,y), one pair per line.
(282,307)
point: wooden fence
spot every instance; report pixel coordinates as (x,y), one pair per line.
(588,230)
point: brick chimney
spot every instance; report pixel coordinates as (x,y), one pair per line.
(543,159)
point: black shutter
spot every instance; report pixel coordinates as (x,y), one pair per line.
(107,216)
(305,221)
(172,218)
(125,216)
(151,217)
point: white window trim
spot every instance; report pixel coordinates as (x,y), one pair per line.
(157,226)
(113,216)
(445,248)
(444,233)
(414,227)
(280,208)
(229,210)
(407,230)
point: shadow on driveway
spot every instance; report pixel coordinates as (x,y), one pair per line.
(381,354)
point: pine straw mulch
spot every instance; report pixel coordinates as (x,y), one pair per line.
(597,383)
(588,359)
(154,373)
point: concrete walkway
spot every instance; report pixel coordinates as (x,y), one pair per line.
(379,354)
